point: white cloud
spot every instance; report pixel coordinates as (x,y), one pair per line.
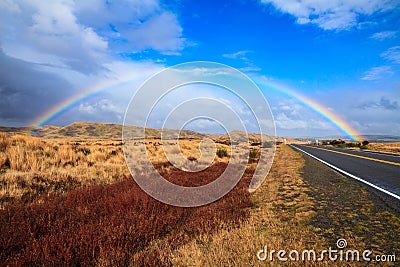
(358,106)
(282,121)
(50,33)
(61,49)
(242,55)
(104,108)
(331,14)
(238,55)
(380,36)
(9,5)
(392,54)
(83,35)
(285,122)
(135,25)
(250,68)
(377,73)
(293,118)
(166,39)
(384,104)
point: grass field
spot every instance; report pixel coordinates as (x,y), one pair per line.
(73,202)
(392,147)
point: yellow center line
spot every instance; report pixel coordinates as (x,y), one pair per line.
(357,156)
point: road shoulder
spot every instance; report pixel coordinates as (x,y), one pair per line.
(348,209)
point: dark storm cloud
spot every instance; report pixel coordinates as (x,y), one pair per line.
(26,91)
(52,50)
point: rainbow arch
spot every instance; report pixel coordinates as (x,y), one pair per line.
(70,102)
(63,106)
(323,111)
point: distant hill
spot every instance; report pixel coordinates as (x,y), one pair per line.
(81,130)
(97,130)
(238,136)
(104,131)
(14,130)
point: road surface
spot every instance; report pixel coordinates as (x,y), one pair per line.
(381,171)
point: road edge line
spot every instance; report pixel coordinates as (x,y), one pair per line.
(348,174)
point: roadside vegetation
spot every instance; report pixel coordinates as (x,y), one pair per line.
(74,202)
(343,144)
(385,147)
(31,167)
(108,220)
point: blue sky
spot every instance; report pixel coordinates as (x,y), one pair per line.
(343,54)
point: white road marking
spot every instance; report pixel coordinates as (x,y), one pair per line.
(349,174)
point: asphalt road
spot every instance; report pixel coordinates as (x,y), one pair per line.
(381,170)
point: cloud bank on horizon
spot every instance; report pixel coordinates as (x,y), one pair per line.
(343,54)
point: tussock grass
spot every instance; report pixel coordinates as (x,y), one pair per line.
(30,167)
(4,141)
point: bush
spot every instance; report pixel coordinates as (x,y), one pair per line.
(268,144)
(365,143)
(254,154)
(356,144)
(221,152)
(337,142)
(106,225)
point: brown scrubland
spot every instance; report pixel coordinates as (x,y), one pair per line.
(71,200)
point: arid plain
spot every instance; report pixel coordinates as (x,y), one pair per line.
(68,198)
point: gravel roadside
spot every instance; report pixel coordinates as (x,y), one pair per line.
(346,208)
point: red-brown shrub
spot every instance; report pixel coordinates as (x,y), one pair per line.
(107,224)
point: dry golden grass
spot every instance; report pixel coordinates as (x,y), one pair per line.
(30,167)
(190,148)
(4,141)
(392,147)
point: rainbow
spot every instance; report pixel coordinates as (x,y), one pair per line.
(326,113)
(70,102)
(65,105)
